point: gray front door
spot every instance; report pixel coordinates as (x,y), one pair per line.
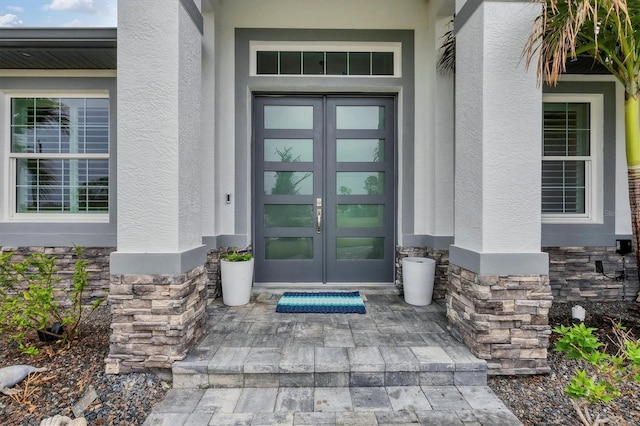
(324,189)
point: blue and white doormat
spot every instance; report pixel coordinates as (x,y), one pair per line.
(324,303)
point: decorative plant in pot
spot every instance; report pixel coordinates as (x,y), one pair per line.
(237,277)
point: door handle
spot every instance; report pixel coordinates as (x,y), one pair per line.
(318,215)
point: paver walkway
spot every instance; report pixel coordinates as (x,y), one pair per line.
(396,364)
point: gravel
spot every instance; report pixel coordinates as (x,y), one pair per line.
(77,371)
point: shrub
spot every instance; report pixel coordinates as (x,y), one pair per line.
(609,372)
(28,299)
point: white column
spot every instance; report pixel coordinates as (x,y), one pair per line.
(498,142)
(158,188)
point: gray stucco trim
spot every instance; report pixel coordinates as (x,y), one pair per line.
(194,14)
(157,263)
(62,234)
(245,85)
(438,242)
(591,234)
(31,238)
(500,263)
(214,242)
(469,8)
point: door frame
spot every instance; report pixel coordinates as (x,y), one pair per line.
(393,233)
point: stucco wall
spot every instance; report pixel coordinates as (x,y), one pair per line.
(159,85)
(498,130)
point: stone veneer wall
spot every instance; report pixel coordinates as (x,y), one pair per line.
(502,319)
(98,268)
(573,276)
(213,270)
(442,267)
(214,285)
(156,319)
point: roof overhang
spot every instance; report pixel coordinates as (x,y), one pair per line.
(58,48)
(585,65)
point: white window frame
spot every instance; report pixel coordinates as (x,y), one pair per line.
(594,173)
(323,46)
(10,163)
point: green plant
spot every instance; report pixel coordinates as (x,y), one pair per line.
(28,298)
(236,256)
(608,372)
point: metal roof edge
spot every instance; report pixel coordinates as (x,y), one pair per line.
(58,37)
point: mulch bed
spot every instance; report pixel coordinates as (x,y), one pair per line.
(540,400)
(73,372)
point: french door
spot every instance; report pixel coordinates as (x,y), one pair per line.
(324,189)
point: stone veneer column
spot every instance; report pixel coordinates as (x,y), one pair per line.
(156,319)
(502,319)
(498,294)
(158,274)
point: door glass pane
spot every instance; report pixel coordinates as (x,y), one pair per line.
(359,63)
(288,150)
(360,150)
(359,248)
(360,117)
(288,248)
(360,183)
(336,63)
(288,117)
(288,216)
(288,183)
(360,215)
(267,62)
(290,62)
(313,62)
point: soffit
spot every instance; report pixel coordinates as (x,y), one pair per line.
(58,48)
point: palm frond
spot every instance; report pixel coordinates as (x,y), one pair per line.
(602,29)
(447,57)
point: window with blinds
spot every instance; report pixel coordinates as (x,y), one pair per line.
(571,158)
(566,157)
(59,156)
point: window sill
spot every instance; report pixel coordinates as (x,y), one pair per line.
(58,218)
(571,220)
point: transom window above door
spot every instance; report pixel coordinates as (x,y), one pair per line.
(345,59)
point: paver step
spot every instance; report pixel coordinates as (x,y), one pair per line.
(393,344)
(306,366)
(426,405)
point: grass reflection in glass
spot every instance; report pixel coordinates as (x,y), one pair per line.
(359,248)
(288,248)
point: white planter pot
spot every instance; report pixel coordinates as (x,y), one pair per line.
(237,279)
(418,275)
